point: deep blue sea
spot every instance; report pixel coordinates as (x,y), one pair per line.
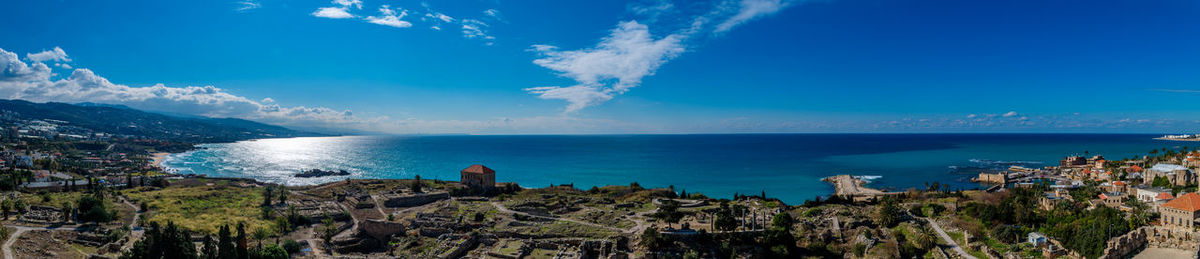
(787,166)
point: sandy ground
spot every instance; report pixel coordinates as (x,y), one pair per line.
(1164,253)
(847,185)
(158,158)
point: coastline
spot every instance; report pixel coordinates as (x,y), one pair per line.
(158,158)
(1178,139)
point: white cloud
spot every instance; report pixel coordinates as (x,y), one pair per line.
(1009,114)
(474,29)
(439,16)
(613,66)
(750,9)
(247,5)
(342,11)
(631,52)
(494,15)
(13,69)
(34,83)
(62,65)
(349,3)
(56,54)
(333,13)
(390,17)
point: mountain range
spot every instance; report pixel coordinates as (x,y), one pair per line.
(123,120)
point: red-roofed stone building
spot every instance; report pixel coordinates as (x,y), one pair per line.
(479,176)
(1181,212)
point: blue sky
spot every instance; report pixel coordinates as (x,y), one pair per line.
(530,67)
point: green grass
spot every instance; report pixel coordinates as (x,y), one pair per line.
(56,198)
(203,208)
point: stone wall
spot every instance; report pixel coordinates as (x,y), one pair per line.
(415,199)
(1124,245)
(381,229)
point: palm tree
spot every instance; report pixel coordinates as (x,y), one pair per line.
(260,235)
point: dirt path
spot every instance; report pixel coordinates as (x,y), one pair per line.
(13,238)
(136,233)
(501,208)
(953,245)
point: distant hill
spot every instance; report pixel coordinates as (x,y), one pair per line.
(119,119)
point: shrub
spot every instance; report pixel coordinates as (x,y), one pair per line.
(291,246)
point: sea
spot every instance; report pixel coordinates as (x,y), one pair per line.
(785,166)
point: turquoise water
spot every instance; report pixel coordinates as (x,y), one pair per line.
(787,166)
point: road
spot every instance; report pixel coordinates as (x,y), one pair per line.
(953,245)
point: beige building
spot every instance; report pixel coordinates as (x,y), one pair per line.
(478,176)
(1181,212)
(1177,174)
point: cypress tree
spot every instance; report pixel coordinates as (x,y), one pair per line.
(242,250)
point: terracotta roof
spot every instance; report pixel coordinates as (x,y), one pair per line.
(1102,196)
(1165,196)
(1119,183)
(478,169)
(1187,202)
(1135,168)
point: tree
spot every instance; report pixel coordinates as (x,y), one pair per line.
(261,234)
(267,193)
(1160,181)
(243,252)
(888,213)
(922,239)
(94,209)
(668,212)
(416,184)
(283,224)
(6,206)
(225,246)
(724,219)
(163,243)
(283,196)
(271,252)
(783,221)
(327,223)
(209,250)
(67,210)
(651,239)
(779,237)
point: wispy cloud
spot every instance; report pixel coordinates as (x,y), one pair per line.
(390,17)
(613,66)
(247,5)
(747,10)
(631,52)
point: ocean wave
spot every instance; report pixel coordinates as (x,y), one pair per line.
(868,178)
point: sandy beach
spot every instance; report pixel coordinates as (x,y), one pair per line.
(157,158)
